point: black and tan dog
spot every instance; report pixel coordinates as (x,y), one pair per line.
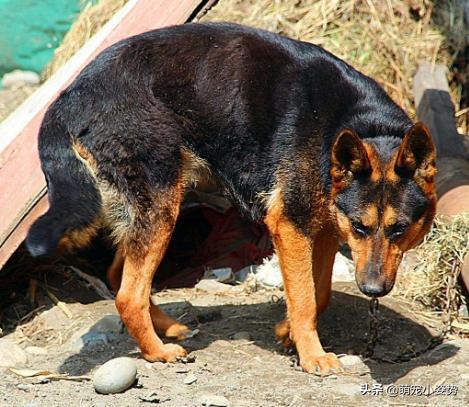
(298,139)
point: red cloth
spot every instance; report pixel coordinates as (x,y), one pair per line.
(231,242)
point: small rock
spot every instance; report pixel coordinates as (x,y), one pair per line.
(188,359)
(35,350)
(11,355)
(110,323)
(242,335)
(18,78)
(151,397)
(190,378)
(24,387)
(214,400)
(350,360)
(213,286)
(464,376)
(115,376)
(40,380)
(89,340)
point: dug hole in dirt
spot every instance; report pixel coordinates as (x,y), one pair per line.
(58,329)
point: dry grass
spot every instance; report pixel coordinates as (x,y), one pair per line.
(90,20)
(385,39)
(434,279)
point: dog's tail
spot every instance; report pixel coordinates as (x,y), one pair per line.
(74,199)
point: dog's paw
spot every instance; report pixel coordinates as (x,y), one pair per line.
(178,332)
(282,334)
(167,353)
(327,363)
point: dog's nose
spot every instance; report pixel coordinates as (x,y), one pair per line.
(373,289)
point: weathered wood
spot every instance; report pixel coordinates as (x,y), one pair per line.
(436,110)
(21,181)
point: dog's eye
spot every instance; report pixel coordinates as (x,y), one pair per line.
(360,229)
(397,230)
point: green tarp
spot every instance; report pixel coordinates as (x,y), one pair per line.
(30,30)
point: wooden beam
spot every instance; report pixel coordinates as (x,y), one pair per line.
(22,185)
(436,110)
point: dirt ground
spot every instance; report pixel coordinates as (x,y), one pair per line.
(252,372)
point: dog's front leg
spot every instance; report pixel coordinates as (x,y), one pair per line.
(295,253)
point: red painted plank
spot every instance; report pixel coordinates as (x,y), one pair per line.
(21,180)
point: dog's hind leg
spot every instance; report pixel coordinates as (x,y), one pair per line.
(167,326)
(143,253)
(164,325)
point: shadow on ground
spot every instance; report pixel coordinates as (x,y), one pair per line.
(343,329)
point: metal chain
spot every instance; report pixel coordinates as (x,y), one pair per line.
(372,328)
(407,356)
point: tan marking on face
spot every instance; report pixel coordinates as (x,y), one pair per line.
(392,256)
(389,216)
(370,216)
(362,252)
(415,234)
(361,248)
(376,172)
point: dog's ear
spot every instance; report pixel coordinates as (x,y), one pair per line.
(417,155)
(349,157)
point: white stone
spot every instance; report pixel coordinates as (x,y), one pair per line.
(115,376)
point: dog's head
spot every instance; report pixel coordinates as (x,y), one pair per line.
(382,200)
